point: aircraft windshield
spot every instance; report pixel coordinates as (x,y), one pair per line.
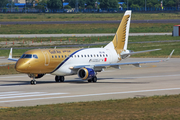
(29,56)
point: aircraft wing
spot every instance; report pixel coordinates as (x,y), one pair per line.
(116,65)
(10,56)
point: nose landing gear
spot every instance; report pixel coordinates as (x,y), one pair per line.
(33,82)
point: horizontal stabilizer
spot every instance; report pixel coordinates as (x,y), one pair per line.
(131,53)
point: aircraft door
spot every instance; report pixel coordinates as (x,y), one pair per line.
(110,56)
(46,57)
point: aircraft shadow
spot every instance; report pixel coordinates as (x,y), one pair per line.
(74,81)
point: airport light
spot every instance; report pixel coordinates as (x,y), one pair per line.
(76,6)
(11,5)
(25,5)
(127,4)
(145,5)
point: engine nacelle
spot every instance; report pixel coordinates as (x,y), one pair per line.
(86,73)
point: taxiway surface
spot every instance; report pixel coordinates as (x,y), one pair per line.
(130,81)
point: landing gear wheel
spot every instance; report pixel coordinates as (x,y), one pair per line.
(33,82)
(59,78)
(94,79)
(62,78)
(89,80)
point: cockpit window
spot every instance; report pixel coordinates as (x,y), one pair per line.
(22,56)
(35,56)
(26,56)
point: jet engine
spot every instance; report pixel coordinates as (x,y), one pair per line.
(86,73)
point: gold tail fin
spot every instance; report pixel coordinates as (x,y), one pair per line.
(121,38)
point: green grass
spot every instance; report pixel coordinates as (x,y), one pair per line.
(83,28)
(91,39)
(147,108)
(7,70)
(85,16)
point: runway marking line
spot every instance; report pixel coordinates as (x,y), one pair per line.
(20,94)
(9,92)
(87,95)
(33,95)
(12,77)
(155,76)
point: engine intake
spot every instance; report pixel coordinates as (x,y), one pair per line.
(86,73)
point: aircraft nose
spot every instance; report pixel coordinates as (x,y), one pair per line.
(20,67)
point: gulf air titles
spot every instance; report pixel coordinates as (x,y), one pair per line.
(83,62)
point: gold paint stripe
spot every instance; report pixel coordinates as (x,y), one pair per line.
(86,74)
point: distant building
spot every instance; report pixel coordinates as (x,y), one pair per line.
(17,1)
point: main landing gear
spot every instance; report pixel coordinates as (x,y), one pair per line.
(94,79)
(59,78)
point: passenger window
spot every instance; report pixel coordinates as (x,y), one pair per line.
(84,55)
(91,55)
(74,55)
(52,56)
(81,55)
(65,56)
(78,55)
(59,56)
(100,55)
(88,55)
(94,55)
(97,55)
(55,56)
(103,55)
(62,56)
(35,56)
(106,55)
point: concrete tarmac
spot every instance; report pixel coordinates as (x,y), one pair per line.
(128,82)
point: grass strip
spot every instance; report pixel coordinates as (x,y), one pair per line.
(85,16)
(83,28)
(74,39)
(146,108)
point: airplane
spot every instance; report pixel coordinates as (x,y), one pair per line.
(85,62)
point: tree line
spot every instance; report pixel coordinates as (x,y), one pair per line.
(94,4)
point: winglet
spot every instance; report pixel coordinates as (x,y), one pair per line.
(10,54)
(170,55)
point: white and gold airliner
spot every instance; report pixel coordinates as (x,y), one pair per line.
(83,62)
